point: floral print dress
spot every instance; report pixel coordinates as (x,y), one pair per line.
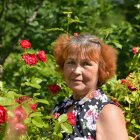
(87,111)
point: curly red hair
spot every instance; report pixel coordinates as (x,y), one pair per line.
(93,48)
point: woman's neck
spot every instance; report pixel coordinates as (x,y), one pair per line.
(79,96)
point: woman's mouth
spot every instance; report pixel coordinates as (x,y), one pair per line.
(77,80)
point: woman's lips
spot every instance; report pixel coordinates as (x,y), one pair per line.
(77,80)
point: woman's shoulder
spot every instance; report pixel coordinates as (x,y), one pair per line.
(111,123)
(111,112)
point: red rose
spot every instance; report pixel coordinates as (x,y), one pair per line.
(54,88)
(22,99)
(42,56)
(34,106)
(131,87)
(135,50)
(20,128)
(25,44)
(30,59)
(71,118)
(123,81)
(3,115)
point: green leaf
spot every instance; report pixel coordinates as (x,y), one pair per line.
(38,122)
(62,118)
(55,29)
(36,94)
(36,80)
(127,99)
(6,101)
(42,101)
(46,125)
(127,108)
(66,127)
(60,136)
(74,20)
(27,121)
(33,85)
(117,44)
(55,136)
(57,127)
(137,126)
(48,117)
(12,95)
(67,13)
(35,23)
(1,85)
(36,114)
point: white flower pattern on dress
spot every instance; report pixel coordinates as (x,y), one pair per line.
(91,116)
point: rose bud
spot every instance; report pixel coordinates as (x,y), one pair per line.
(135,50)
(34,106)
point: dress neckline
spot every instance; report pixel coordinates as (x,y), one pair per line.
(88,97)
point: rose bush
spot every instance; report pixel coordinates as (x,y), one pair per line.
(27,116)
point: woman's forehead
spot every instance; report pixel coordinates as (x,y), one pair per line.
(81,57)
(75,55)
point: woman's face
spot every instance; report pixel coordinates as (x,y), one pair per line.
(81,75)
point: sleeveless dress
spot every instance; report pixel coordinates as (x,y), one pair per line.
(87,111)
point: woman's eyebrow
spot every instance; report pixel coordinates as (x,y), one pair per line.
(86,59)
(70,58)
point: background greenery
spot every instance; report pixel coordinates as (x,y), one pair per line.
(116,22)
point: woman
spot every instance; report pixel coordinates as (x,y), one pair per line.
(87,64)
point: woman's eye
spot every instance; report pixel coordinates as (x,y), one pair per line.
(70,62)
(86,64)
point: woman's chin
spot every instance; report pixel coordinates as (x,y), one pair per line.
(77,88)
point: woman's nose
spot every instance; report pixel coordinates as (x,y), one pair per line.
(77,69)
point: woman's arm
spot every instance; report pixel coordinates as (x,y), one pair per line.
(111,124)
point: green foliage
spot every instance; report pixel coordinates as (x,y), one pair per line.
(41,125)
